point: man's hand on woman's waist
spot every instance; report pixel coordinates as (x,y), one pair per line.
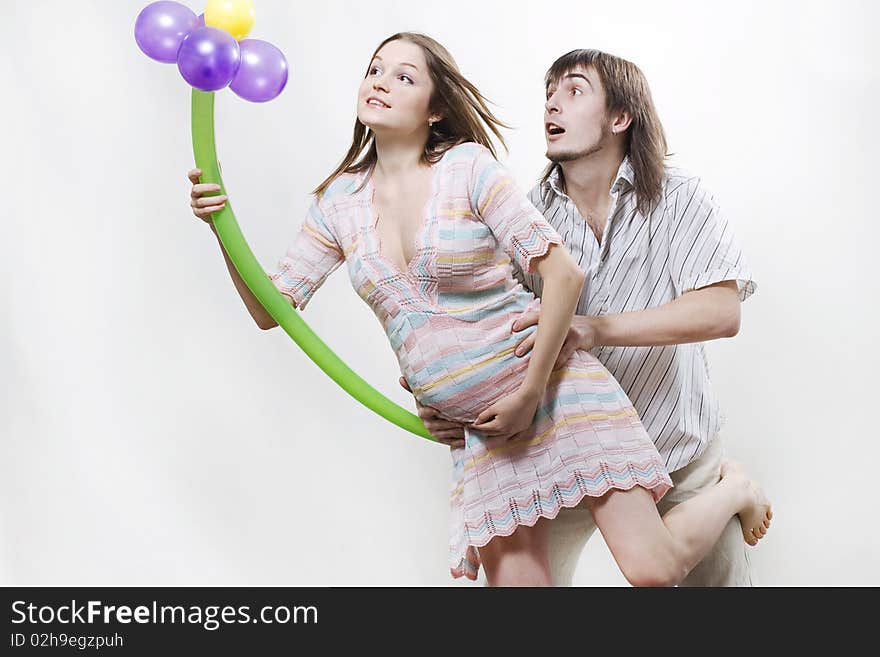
(448,433)
(582,334)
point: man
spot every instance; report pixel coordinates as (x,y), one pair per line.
(664,274)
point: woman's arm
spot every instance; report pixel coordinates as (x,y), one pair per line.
(563,281)
(314,254)
(255,308)
(529,239)
(204,203)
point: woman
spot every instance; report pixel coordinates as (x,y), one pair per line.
(427,221)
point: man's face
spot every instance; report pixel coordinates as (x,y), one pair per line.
(576,124)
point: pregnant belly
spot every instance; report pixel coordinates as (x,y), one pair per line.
(461,395)
(460,368)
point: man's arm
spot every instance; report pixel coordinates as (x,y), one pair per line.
(708,313)
(708,303)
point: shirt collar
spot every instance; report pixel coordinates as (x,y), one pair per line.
(625,174)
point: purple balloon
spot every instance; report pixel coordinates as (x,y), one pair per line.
(200,21)
(208,58)
(161,27)
(263,71)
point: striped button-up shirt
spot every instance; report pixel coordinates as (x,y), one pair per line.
(642,262)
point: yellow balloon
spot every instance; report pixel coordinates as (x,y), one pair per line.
(234,16)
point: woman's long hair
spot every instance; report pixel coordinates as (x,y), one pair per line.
(626,89)
(464,109)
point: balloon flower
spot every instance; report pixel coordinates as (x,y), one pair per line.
(210,50)
(211,53)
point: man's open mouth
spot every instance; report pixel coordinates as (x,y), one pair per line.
(553,129)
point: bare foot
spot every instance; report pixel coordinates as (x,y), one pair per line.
(755,514)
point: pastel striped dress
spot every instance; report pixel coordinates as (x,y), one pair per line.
(449,316)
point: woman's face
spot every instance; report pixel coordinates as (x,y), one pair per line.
(395,95)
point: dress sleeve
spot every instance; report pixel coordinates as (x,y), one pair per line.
(703,246)
(314,255)
(518,226)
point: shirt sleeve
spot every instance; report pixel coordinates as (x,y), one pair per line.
(518,226)
(314,254)
(703,247)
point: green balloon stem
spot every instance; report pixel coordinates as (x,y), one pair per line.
(264,289)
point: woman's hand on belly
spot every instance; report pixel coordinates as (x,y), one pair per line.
(509,416)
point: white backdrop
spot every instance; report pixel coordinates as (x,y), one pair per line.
(151,434)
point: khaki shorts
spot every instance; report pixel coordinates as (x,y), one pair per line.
(727,564)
